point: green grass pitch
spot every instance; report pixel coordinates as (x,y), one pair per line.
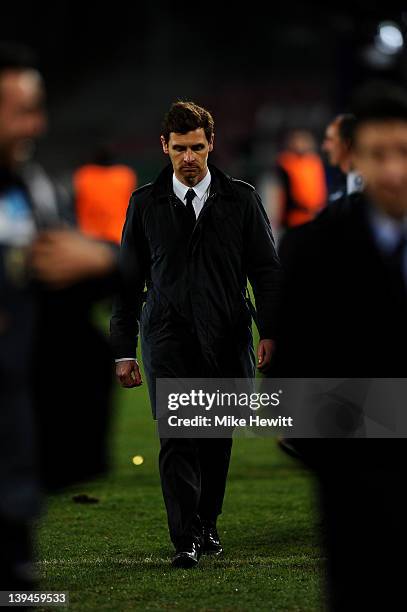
(115,555)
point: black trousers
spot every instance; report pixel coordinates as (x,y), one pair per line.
(193,478)
(362,495)
(16,551)
(364,531)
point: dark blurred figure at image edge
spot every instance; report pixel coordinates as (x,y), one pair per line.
(302,191)
(337,145)
(348,272)
(53,409)
(194,236)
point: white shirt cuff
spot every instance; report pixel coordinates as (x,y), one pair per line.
(125,359)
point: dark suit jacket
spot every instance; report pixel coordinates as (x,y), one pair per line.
(55,366)
(71,370)
(343,315)
(343,310)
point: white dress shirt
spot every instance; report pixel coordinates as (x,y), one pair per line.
(202,192)
(201,189)
(354,182)
(387,233)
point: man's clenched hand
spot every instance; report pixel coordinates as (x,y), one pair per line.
(264,353)
(128,373)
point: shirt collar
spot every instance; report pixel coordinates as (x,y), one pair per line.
(200,188)
(387,231)
(354,182)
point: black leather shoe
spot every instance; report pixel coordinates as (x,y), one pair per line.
(188,555)
(211,542)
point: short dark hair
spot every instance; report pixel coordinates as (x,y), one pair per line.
(185,117)
(17,56)
(346,127)
(380,101)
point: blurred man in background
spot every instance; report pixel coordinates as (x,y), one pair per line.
(337,145)
(301,177)
(49,275)
(102,191)
(194,236)
(348,275)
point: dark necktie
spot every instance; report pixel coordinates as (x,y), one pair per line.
(188,199)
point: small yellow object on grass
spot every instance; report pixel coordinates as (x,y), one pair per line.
(138,460)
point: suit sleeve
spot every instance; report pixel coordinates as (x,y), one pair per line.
(263,266)
(133,261)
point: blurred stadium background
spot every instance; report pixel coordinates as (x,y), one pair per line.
(111,74)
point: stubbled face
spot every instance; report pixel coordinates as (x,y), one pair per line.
(189,155)
(335,149)
(381,157)
(22,114)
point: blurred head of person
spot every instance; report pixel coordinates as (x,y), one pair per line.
(380,145)
(188,137)
(300,142)
(22,110)
(104,155)
(338,142)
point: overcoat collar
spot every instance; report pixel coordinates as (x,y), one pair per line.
(220,183)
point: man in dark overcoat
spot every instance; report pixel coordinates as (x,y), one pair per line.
(194,237)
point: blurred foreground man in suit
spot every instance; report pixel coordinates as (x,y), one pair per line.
(348,275)
(52,417)
(194,236)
